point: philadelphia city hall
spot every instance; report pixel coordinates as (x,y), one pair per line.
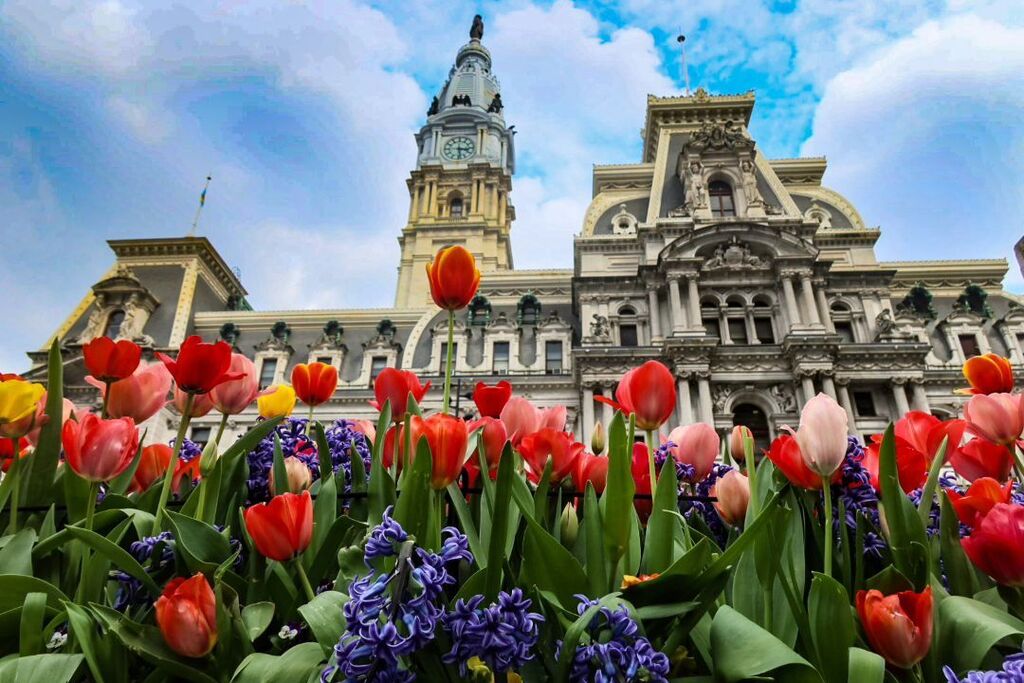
(756,284)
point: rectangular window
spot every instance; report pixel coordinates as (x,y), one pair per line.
(377,364)
(864,403)
(501,355)
(200,435)
(738,330)
(969,343)
(268,371)
(711,327)
(763,330)
(326,360)
(444,355)
(553,357)
(627,335)
(845,331)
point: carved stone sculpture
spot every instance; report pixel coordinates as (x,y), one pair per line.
(476,31)
(696,196)
(600,328)
(750,190)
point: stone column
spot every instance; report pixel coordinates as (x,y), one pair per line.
(808,293)
(586,429)
(723,326)
(1012,345)
(792,312)
(693,301)
(678,320)
(748,317)
(807,385)
(685,404)
(844,401)
(607,412)
(828,386)
(652,305)
(899,394)
(919,396)
(823,310)
(707,411)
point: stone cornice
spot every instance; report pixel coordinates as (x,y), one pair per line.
(799,171)
(948,277)
(173,249)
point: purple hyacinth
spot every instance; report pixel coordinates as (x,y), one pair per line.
(704,510)
(858,496)
(611,651)
(341,438)
(130,592)
(502,635)
(1012,672)
(382,626)
(684,471)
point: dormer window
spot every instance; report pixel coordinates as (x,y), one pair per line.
(721,199)
(114,324)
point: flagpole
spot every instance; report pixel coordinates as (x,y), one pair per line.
(199,209)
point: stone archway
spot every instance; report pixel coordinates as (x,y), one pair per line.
(753,416)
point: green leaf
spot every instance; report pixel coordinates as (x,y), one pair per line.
(16,556)
(357,506)
(576,630)
(257,617)
(541,501)
(105,665)
(116,554)
(14,588)
(963,580)
(659,546)
(48,668)
(201,546)
(970,629)
(907,539)
(381,493)
(617,513)
(32,614)
(592,531)
(866,666)
(325,511)
(499,523)
(326,618)
(414,507)
(467,524)
(832,626)
(299,663)
(40,489)
(549,566)
(742,650)
(280,472)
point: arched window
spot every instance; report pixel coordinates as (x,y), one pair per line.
(842,321)
(528,310)
(721,199)
(455,207)
(114,321)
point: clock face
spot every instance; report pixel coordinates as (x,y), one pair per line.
(459,148)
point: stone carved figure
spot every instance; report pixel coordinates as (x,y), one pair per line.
(696,196)
(476,31)
(435,105)
(783,396)
(735,255)
(750,190)
(725,135)
(496,104)
(884,322)
(600,328)
(94,325)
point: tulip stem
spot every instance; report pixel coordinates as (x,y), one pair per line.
(106,397)
(304,580)
(309,422)
(165,489)
(90,514)
(448,363)
(748,458)
(924,508)
(14,471)
(220,429)
(826,489)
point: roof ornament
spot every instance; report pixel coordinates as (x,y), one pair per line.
(476,32)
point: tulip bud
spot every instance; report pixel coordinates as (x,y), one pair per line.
(598,439)
(823,435)
(737,442)
(570,525)
(299,476)
(208,460)
(733,493)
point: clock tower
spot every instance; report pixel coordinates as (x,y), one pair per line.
(459,190)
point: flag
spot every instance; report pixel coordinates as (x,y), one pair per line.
(202,198)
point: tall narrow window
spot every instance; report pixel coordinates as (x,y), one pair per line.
(738,330)
(377,364)
(114,324)
(553,357)
(845,331)
(444,355)
(969,343)
(763,330)
(456,207)
(864,402)
(267,372)
(721,199)
(627,335)
(501,355)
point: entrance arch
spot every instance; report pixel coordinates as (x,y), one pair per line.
(754,418)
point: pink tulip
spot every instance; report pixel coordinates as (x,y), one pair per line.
(201,403)
(99,450)
(737,438)
(822,435)
(521,419)
(996,417)
(139,396)
(697,445)
(234,396)
(733,493)
(67,410)
(553,418)
(366,428)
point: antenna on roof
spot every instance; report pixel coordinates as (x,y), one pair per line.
(681,39)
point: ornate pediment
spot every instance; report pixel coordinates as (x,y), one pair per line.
(553,322)
(384,340)
(124,297)
(762,242)
(735,255)
(623,222)
(280,333)
(724,135)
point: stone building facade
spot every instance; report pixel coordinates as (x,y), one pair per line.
(755,283)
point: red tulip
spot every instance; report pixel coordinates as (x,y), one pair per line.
(490,400)
(911,464)
(591,468)
(988,374)
(918,436)
(641,471)
(649,392)
(996,417)
(454,278)
(737,440)
(97,449)
(784,453)
(314,383)
(140,396)
(232,397)
(981,497)
(153,464)
(995,544)
(561,448)
(447,437)
(697,444)
(109,361)
(187,616)
(7,452)
(282,528)
(396,386)
(733,493)
(522,418)
(493,436)
(200,367)
(202,404)
(981,458)
(899,626)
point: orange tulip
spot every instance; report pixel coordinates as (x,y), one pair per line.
(737,438)
(733,493)
(447,437)
(454,278)
(187,616)
(898,626)
(153,465)
(988,374)
(314,383)
(282,528)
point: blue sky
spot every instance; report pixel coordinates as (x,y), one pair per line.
(112,112)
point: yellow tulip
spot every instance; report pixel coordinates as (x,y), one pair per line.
(278,403)
(19,401)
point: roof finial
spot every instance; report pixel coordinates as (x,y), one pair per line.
(476,32)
